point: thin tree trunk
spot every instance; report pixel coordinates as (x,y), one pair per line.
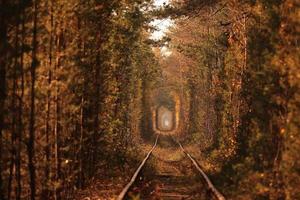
(57,116)
(31,141)
(96,119)
(56,146)
(46,191)
(20,118)
(3,56)
(12,162)
(81,175)
(13,112)
(245,41)
(80,179)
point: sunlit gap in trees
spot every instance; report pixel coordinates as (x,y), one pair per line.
(165,119)
(162,26)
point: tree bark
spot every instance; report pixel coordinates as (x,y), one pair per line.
(81,174)
(96,118)
(14,111)
(81,46)
(3,56)
(46,190)
(59,45)
(20,110)
(31,141)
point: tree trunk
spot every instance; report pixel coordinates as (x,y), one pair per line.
(3,56)
(81,46)
(31,141)
(20,113)
(13,112)
(46,190)
(96,118)
(245,42)
(81,174)
(57,116)
(56,146)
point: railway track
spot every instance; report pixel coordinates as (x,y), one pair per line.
(178,180)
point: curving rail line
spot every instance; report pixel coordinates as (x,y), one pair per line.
(209,184)
(133,179)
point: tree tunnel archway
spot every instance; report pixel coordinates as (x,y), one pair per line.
(164,105)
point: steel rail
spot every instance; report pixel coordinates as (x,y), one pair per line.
(135,175)
(210,186)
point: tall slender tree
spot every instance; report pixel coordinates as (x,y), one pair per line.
(3,64)
(31,140)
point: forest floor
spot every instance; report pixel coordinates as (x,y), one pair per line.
(168,174)
(105,187)
(108,184)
